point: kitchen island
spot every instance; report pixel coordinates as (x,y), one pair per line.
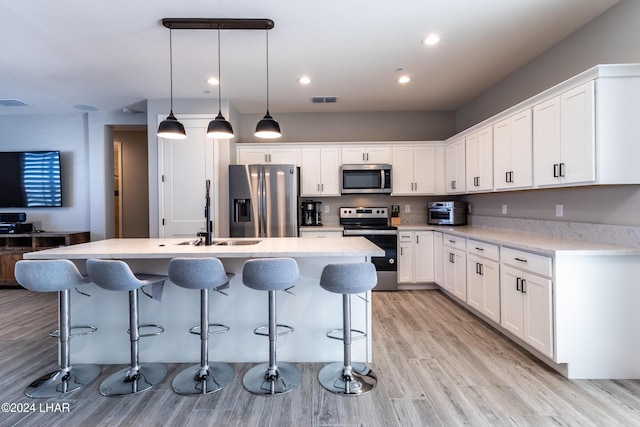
(311,310)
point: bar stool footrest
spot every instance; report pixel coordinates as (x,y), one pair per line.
(356,334)
(287,330)
(160,330)
(218,328)
(88,330)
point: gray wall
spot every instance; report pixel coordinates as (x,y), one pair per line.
(611,38)
(345,127)
(66,133)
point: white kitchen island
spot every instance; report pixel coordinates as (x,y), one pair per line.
(312,311)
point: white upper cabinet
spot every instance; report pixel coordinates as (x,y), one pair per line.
(479,159)
(268,154)
(320,171)
(564,139)
(415,170)
(360,154)
(455,167)
(512,152)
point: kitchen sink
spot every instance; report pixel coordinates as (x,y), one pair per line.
(194,242)
(235,242)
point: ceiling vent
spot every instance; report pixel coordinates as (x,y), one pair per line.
(324,99)
(13,103)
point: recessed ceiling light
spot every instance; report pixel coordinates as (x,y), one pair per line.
(431,39)
(304,80)
(213,81)
(404,79)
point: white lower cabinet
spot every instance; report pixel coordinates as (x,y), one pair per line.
(483,278)
(438,273)
(454,265)
(415,257)
(526,298)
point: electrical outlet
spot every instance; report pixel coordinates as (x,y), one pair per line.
(326,208)
(407,208)
(504,209)
(559,210)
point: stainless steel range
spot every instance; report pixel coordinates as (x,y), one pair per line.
(373,224)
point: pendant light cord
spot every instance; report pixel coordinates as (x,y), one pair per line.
(171,67)
(219,77)
(267,38)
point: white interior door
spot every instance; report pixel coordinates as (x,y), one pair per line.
(186,164)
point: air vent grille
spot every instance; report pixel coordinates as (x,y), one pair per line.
(13,103)
(324,99)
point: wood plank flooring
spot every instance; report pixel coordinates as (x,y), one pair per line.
(437,365)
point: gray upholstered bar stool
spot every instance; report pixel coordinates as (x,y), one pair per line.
(271,275)
(204,274)
(346,377)
(58,276)
(115,275)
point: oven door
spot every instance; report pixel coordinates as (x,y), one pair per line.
(386,266)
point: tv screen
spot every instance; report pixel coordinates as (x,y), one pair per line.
(30,179)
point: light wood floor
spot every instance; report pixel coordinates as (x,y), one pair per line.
(437,366)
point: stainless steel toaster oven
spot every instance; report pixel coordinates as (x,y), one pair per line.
(447,213)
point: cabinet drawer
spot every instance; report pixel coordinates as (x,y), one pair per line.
(537,264)
(483,249)
(454,241)
(405,236)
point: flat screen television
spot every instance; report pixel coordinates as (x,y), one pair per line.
(30,179)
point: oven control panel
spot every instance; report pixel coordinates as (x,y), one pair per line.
(382,212)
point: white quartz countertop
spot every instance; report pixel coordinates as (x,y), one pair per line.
(183,247)
(547,245)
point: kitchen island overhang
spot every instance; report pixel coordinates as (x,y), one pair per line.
(311,310)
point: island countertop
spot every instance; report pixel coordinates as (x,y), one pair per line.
(163,248)
(310,309)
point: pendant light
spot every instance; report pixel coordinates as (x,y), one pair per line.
(219,127)
(170,127)
(267,127)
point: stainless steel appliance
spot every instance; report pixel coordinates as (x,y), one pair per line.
(263,200)
(373,224)
(447,213)
(365,179)
(311,212)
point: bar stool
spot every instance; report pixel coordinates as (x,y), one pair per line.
(204,274)
(271,275)
(58,276)
(115,275)
(346,377)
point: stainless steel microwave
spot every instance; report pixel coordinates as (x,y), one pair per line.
(365,179)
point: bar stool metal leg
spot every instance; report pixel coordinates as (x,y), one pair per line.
(205,377)
(136,377)
(346,377)
(68,378)
(272,378)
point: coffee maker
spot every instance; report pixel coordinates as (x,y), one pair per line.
(311,213)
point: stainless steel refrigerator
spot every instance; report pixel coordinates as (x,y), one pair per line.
(263,200)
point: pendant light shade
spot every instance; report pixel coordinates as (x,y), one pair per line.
(219,127)
(268,128)
(170,127)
